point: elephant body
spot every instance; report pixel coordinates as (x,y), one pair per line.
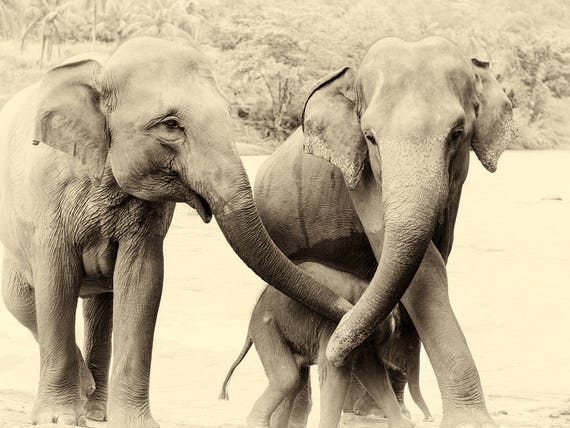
(289,338)
(55,223)
(371,184)
(92,162)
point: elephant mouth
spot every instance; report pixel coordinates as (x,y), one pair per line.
(201,206)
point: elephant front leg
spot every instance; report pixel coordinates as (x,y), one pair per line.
(427,302)
(98,322)
(137,284)
(56,285)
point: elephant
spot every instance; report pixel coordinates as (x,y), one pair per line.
(93,160)
(370,184)
(289,338)
(401,355)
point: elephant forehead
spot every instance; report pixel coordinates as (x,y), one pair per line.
(152,62)
(426,67)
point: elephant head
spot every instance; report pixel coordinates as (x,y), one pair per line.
(399,129)
(154,114)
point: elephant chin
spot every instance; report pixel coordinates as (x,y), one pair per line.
(201,206)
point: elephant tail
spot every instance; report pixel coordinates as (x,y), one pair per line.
(224,392)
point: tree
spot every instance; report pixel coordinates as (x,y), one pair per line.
(8,21)
(48,17)
(161,18)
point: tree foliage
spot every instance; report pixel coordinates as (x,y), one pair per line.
(269,53)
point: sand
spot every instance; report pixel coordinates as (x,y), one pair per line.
(509,275)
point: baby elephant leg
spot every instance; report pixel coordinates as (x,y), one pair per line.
(293,411)
(302,403)
(398,380)
(371,372)
(283,373)
(334,382)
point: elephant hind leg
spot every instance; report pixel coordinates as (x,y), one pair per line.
(98,322)
(281,368)
(302,402)
(18,296)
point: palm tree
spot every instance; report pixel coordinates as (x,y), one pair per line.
(95,6)
(8,21)
(48,16)
(160,18)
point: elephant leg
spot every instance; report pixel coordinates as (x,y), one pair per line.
(427,302)
(353,395)
(334,382)
(372,374)
(366,404)
(414,382)
(302,403)
(19,299)
(18,296)
(98,322)
(283,373)
(293,411)
(56,288)
(280,416)
(398,380)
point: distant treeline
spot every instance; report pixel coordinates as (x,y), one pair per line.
(268,53)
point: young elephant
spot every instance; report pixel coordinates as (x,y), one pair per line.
(85,208)
(289,338)
(401,355)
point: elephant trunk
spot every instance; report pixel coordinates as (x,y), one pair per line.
(237,217)
(412,202)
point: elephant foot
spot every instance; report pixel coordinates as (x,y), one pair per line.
(86,381)
(468,419)
(405,411)
(401,422)
(125,418)
(59,415)
(97,410)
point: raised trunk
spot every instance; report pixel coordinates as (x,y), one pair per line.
(239,221)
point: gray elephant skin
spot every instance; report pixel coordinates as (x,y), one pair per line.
(289,338)
(371,185)
(85,208)
(401,356)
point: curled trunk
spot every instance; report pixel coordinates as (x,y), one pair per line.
(239,221)
(412,201)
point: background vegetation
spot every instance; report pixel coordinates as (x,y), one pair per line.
(267,54)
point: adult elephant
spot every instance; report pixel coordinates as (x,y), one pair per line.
(83,212)
(396,134)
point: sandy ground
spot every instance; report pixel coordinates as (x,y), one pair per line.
(509,276)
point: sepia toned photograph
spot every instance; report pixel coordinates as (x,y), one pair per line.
(285,213)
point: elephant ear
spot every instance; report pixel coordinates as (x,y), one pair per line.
(331,126)
(69,116)
(494,127)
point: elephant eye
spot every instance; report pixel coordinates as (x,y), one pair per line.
(455,134)
(171,123)
(370,137)
(169,130)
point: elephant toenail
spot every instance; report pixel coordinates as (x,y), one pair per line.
(96,415)
(65,420)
